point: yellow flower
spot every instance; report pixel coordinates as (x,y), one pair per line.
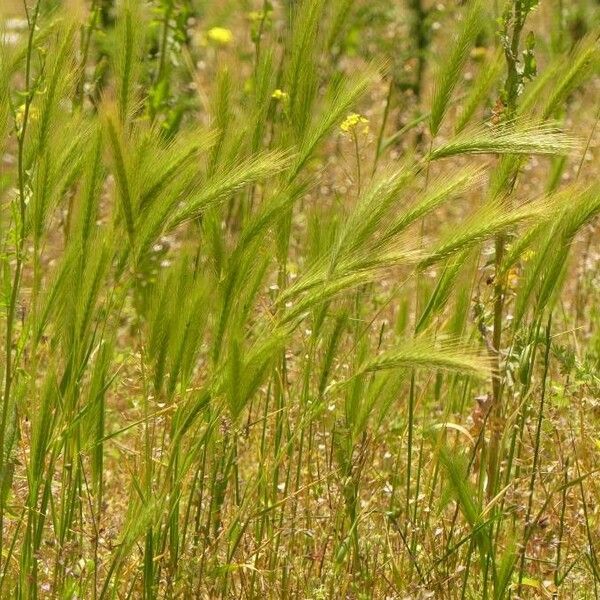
(528,255)
(20,115)
(352,121)
(512,278)
(279,95)
(220,36)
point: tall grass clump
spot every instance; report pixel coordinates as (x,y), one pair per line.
(299,299)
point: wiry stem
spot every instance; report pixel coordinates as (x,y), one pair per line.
(511,91)
(14,293)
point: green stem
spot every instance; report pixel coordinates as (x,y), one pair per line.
(14,294)
(536,455)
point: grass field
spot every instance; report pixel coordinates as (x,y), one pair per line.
(300,299)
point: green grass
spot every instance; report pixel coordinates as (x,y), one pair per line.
(299,299)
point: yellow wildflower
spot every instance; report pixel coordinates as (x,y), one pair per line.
(512,278)
(20,115)
(220,36)
(279,95)
(352,121)
(528,255)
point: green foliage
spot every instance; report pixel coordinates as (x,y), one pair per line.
(449,72)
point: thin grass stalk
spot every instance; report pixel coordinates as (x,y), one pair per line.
(528,528)
(20,241)
(561,526)
(511,90)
